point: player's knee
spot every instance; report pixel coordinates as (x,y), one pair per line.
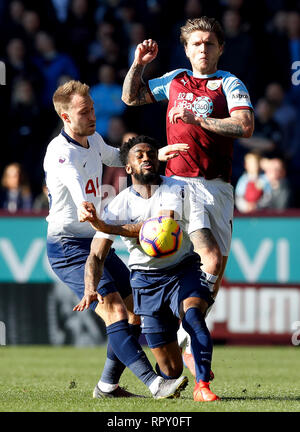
(195,302)
(113,309)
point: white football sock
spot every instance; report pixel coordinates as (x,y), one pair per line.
(153,387)
(106,387)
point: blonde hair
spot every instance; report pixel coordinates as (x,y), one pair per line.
(63,94)
(204,24)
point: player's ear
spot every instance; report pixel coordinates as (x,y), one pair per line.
(221,49)
(128,169)
(185,50)
(65,117)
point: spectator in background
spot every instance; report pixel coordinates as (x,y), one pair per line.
(80,27)
(41,201)
(116,130)
(285,115)
(280,195)
(105,30)
(107,98)
(251,186)
(52,64)
(267,137)
(32,25)
(19,64)
(137,34)
(12,22)
(60,8)
(24,138)
(276,52)
(239,54)
(15,193)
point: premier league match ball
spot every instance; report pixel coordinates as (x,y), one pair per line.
(160,236)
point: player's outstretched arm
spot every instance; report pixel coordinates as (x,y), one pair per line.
(171,151)
(93,272)
(87,213)
(135,92)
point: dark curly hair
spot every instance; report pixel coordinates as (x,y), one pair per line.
(127,146)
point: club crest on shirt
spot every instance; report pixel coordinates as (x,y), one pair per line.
(202,106)
(213,84)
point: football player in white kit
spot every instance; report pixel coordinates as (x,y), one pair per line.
(164,289)
(73,169)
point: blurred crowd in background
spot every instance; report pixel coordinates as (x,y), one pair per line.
(45,43)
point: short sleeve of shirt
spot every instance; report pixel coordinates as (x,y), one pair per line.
(115,213)
(110,155)
(236,94)
(159,87)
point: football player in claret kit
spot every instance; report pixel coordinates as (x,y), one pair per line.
(73,166)
(164,289)
(208,108)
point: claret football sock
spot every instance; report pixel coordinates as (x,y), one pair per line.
(194,323)
(129,351)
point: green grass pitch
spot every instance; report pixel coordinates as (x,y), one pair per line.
(61,379)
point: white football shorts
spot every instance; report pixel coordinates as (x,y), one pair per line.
(212,204)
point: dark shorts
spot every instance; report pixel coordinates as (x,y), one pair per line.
(158,295)
(67,257)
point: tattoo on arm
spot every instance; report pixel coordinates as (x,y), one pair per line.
(222,127)
(135,91)
(92,273)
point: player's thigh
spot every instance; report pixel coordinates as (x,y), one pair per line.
(112,309)
(221,216)
(203,239)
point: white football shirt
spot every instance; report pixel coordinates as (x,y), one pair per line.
(129,207)
(73,175)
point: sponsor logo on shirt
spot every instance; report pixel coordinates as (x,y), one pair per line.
(240,95)
(202,106)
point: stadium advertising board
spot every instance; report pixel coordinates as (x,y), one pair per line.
(260,297)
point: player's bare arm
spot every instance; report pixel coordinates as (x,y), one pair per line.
(135,92)
(93,272)
(239,125)
(87,213)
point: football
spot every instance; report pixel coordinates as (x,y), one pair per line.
(160,236)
